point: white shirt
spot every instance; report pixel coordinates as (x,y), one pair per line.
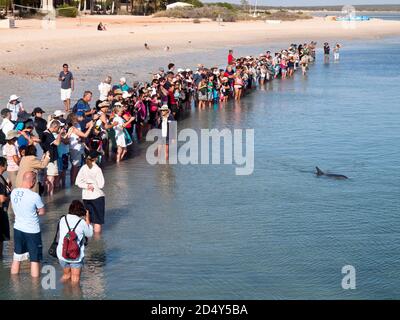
(25,204)
(93,176)
(104,89)
(75,140)
(82,230)
(164,127)
(15,109)
(6,126)
(119,129)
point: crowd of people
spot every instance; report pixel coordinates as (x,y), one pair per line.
(38,152)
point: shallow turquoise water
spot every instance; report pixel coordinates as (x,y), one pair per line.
(200,232)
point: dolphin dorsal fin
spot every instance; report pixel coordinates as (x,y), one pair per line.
(319,171)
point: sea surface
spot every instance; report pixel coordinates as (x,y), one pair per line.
(202,232)
(372,14)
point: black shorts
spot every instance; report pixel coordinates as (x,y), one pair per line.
(96,209)
(174,108)
(4,226)
(28,242)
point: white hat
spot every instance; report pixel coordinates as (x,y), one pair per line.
(123,79)
(164,107)
(126,94)
(188,70)
(180,70)
(58,113)
(13,97)
(12,134)
(118,104)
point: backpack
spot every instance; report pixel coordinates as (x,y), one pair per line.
(3,140)
(71,248)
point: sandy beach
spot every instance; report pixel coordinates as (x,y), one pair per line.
(30,51)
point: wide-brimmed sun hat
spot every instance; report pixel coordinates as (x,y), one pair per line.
(23,116)
(37,110)
(126,94)
(12,134)
(58,113)
(13,97)
(104,104)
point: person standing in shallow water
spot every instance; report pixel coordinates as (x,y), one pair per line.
(5,191)
(91,180)
(327,51)
(27,206)
(77,216)
(336,52)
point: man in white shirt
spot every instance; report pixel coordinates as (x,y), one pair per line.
(27,206)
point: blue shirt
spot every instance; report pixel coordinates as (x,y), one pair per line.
(25,204)
(124,87)
(22,141)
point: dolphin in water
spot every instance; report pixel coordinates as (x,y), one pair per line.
(330,175)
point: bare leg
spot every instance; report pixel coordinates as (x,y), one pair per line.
(50,185)
(97,228)
(67,104)
(15,267)
(119,152)
(75,275)
(124,151)
(35,269)
(67,275)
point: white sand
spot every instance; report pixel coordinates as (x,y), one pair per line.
(29,50)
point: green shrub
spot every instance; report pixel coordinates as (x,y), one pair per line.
(70,12)
(209,12)
(226,5)
(196,3)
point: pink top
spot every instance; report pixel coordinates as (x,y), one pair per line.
(9,151)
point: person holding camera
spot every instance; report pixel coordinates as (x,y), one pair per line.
(49,144)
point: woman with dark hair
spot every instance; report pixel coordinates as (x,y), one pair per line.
(30,162)
(5,191)
(91,180)
(78,220)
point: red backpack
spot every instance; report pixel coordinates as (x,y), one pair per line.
(71,248)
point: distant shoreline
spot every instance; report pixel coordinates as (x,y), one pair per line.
(32,52)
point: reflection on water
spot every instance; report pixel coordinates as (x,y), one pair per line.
(200,232)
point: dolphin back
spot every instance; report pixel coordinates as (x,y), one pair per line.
(319,172)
